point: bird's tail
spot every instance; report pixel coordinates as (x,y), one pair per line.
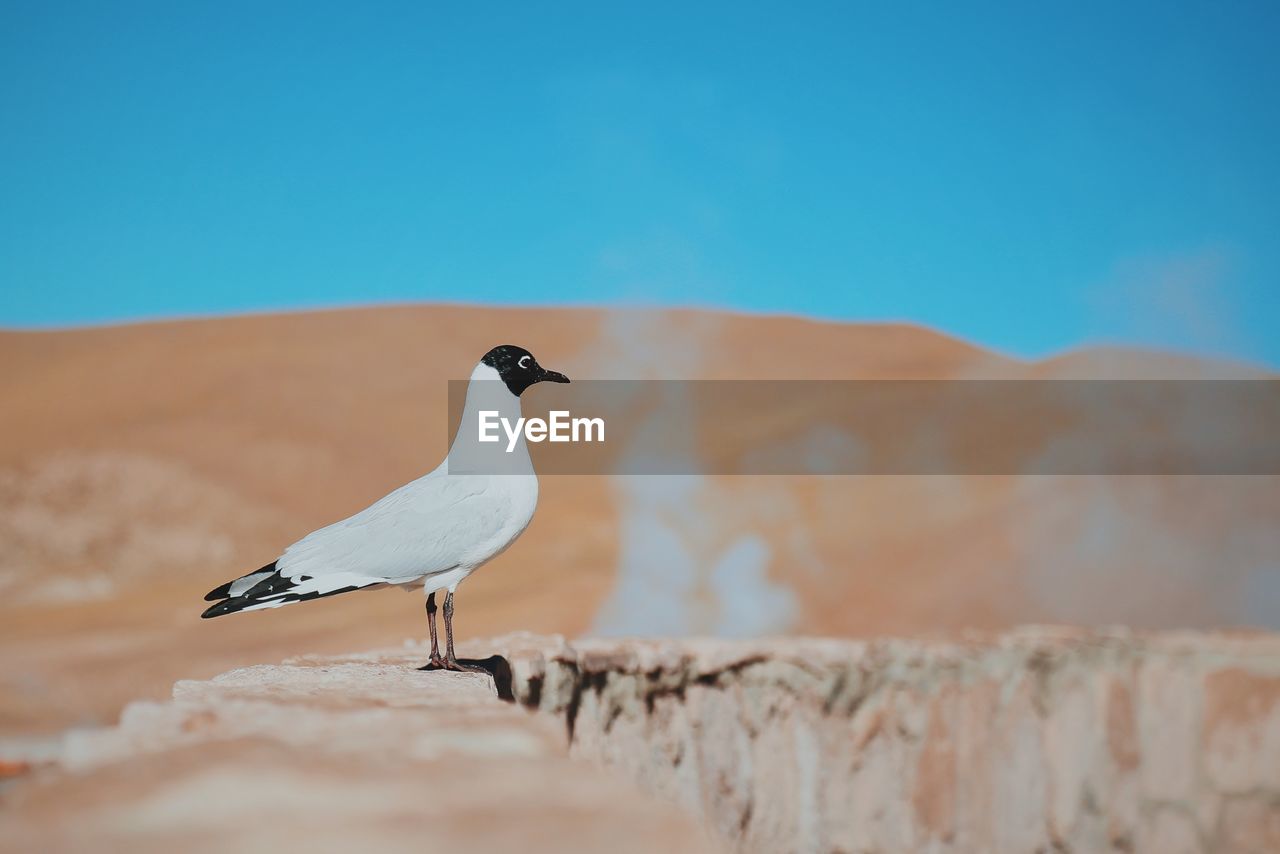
(267,588)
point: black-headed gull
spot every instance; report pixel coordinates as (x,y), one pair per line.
(438,529)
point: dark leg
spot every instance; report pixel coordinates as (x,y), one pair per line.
(451,660)
(437,663)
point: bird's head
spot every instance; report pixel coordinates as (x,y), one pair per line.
(518,368)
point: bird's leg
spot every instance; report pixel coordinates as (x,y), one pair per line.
(450,660)
(436,661)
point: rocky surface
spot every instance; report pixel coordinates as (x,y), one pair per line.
(1041,739)
(320,755)
(1038,740)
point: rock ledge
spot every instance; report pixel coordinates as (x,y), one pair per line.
(1041,739)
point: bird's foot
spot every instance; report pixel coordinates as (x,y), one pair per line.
(436,663)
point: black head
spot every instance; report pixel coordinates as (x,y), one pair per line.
(518,368)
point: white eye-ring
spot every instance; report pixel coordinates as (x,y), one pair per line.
(522,360)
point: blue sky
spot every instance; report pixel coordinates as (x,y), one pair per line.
(1030,178)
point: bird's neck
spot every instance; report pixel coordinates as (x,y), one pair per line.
(489,396)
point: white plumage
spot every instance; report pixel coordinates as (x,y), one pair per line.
(436,530)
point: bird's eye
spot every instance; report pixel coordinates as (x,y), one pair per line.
(522,362)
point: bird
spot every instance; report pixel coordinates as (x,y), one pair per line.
(435,530)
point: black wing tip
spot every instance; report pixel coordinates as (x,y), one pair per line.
(239,603)
(234,605)
(224,591)
(226,606)
(218,593)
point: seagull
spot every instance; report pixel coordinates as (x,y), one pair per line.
(436,530)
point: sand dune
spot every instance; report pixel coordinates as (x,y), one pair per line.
(142,465)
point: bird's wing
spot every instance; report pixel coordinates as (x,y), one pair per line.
(425,527)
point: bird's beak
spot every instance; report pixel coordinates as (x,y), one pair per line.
(552,377)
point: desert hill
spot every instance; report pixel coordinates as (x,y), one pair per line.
(144,464)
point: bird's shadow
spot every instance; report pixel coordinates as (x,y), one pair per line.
(496,666)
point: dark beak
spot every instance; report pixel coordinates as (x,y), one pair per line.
(552,377)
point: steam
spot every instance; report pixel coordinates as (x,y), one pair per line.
(681,569)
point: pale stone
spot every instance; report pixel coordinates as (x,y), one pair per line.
(1071,733)
(1251,825)
(1036,740)
(1242,730)
(1169,832)
(1168,712)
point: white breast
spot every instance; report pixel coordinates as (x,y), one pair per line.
(515,497)
(502,510)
